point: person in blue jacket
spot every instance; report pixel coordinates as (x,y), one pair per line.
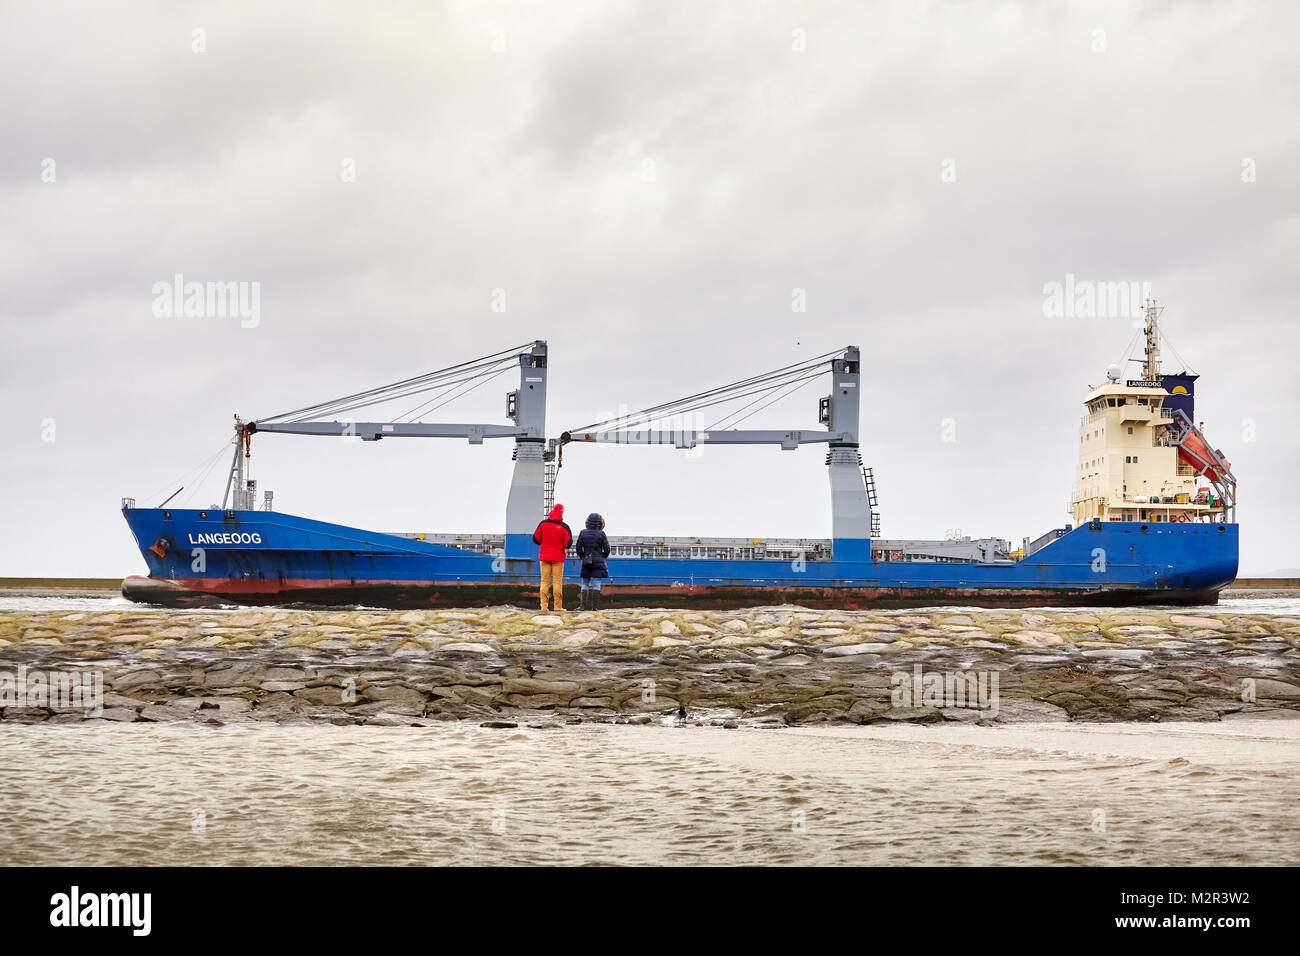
(593,548)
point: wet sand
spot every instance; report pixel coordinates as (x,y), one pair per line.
(1060,794)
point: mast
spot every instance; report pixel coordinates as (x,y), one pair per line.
(850,504)
(526,407)
(235,479)
(1151,371)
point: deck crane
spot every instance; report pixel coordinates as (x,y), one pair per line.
(525,407)
(850,507)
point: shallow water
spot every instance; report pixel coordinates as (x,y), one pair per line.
(1228,603)
(1099,794)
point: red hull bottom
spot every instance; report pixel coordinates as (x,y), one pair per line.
(198,592)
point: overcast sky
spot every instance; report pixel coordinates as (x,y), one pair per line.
(648,183)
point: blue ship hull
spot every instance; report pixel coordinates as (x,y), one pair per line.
(264,557)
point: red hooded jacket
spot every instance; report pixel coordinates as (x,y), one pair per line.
(553,535)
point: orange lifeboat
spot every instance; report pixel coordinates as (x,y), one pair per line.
(1196,453)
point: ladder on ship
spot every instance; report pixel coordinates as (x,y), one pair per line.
(869,480)
(548,489)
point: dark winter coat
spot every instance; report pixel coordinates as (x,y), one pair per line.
(553,536)
(593,548)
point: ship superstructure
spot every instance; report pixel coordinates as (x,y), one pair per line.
(1141,458)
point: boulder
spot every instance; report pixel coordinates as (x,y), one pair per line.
(1028,711)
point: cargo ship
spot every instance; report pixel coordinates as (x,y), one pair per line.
(1154,511)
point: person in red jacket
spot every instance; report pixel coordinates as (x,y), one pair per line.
(553,537)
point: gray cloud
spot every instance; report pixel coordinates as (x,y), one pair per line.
(526,170)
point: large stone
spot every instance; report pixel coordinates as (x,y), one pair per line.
(330,696)
(792,660)
(1029,711)
(863,710)
(282,685)
(134,679)
(119,700)
(735,640)
(1117,653)
(1275,689)
(912,714)
(1034,638)
(852,650)
(166,712)
(463,692)
(123,714)
(537,686)
(286,674)
(965,714)
(226,705)
(1187,620)
(238,675)
(536,701)
(395,692)
(243,619)
(406,707)
(579,638)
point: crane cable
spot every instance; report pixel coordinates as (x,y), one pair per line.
(762,385)
(445,378)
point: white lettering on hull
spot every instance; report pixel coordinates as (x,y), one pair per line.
(226,537)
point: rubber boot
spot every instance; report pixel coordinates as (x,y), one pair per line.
(595,600)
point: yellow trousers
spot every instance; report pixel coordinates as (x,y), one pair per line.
(553,581)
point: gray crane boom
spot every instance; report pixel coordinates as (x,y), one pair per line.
(373,431)
(689,438)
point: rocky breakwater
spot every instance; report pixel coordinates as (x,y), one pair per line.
(771,666)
